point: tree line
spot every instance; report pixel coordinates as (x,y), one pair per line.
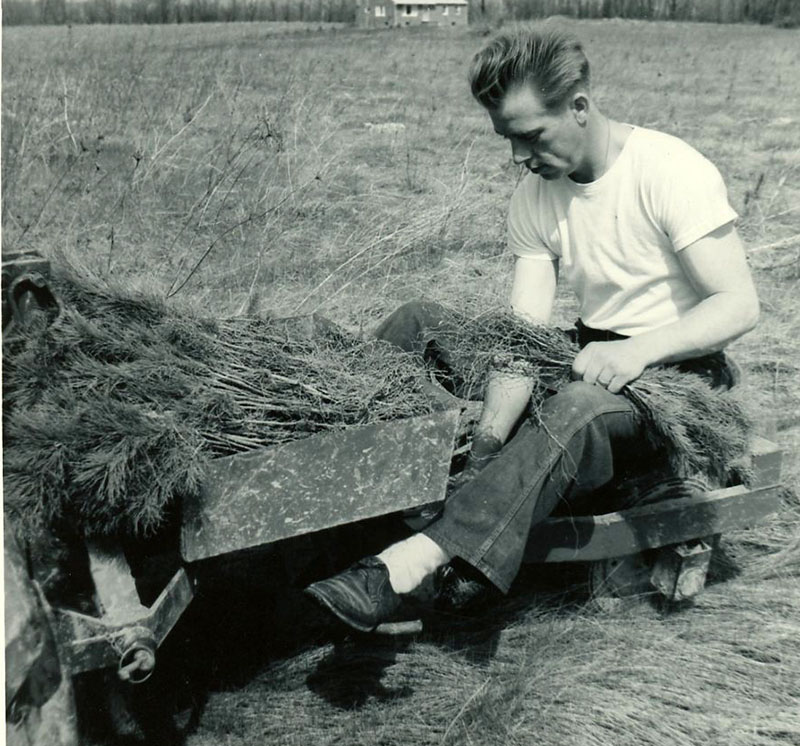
(60,12)
(780,12)
(16,12)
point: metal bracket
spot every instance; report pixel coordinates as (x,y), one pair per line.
(25,289)
(89,642)
(680,570)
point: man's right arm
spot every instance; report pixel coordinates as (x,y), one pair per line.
(533,290)
(507,394)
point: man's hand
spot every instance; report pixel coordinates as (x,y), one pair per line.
(504,401)
(609,364)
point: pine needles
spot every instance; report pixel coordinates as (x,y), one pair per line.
(702,431)
(112,413)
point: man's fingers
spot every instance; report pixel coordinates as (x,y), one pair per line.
(579,364)
(607,364)
(585,367)
(591,371)
(605,375)
(617,384)
(597,372)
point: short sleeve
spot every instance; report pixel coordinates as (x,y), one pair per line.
(690,197)
(524,231)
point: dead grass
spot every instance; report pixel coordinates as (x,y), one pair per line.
(536,669)
(230,169)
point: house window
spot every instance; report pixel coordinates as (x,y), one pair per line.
(409,10)
(458,10)
(380,11)
(444,10)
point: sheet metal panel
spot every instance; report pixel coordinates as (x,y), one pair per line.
(326,480)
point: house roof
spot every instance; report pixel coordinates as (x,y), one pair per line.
(429,2)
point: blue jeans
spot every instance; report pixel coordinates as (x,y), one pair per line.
(586,436)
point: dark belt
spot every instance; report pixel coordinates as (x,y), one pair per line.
(716,366)
(583,334)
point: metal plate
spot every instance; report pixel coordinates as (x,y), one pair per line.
(329,479)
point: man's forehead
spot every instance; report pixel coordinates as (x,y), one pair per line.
(521,110)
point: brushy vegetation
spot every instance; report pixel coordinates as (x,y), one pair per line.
(700,431)
(112,412)
(229,169)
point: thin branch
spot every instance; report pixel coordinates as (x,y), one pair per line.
(155,155)
(66,119)
(776,244)
(238,224)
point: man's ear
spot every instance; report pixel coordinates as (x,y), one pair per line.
(579,105)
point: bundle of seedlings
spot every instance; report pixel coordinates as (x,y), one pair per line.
(701,431)
(113,412)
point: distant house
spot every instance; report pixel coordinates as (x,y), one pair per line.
(380,13)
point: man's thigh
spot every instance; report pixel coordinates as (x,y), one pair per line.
(598,438)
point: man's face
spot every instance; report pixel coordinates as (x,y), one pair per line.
(550,143)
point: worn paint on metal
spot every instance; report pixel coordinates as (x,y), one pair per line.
(115,588)
(326,480)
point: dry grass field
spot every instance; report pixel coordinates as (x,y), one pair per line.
(230,168)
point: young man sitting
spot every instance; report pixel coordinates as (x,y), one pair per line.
(639,224)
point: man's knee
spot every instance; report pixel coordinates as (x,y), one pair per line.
(405,324)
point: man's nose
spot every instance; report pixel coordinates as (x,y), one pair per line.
(520,152)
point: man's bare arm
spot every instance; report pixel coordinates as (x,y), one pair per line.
(717,266)
(533,290)
(507,394)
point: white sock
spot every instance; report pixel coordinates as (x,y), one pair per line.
(410,561)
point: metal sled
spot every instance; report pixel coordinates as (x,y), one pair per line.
(259,498)
(301,488)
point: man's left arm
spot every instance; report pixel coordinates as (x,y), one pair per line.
(717,267)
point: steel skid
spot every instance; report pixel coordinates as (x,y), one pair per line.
(301,488)
(331,479)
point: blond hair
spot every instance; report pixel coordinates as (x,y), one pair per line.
(550,60)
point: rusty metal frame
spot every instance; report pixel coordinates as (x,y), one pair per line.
(329,479)
(89,642)
(596,537)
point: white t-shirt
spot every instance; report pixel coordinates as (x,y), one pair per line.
(617,238)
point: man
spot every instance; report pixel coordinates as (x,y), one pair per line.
(639,224)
